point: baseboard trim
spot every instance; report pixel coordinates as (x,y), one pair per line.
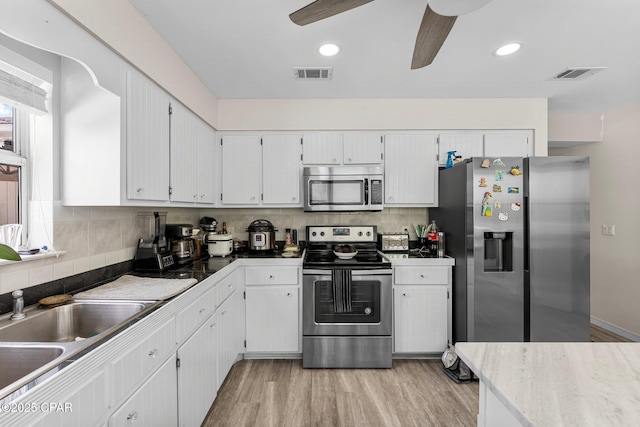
(615,329)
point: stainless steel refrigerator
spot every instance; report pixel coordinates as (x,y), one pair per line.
(519,231)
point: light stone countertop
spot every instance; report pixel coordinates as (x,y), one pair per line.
(561,384)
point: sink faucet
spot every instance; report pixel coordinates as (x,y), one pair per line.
(18,305)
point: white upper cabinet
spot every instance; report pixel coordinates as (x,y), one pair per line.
(342,148)
(241,169)
(147,140)
(506,145)
(362,148)
(411,170)
(465,145)
(322,148)
(192,158)
(281,169)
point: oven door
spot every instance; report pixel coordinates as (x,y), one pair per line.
(371,299)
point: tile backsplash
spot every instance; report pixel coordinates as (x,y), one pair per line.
(95,237)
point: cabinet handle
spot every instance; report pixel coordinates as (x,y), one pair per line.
(230,285)
(271,276)
(349,159)
(422,276)
(288,294)
(132,417)
(404,295)
(195,196)
(201,310)
(139,190)
(213,325)
(153,353)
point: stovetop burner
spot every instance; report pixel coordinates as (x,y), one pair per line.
(322,240)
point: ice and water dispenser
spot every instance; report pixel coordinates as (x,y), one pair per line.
(498,251)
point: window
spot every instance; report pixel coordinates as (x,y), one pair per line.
(12,166)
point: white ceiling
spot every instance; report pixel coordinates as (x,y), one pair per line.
(246,49)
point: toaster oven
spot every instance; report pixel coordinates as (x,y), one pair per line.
(393,242)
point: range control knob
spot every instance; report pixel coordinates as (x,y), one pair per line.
(367,310)
(314,233)
(322,233)
(359,233)
(368,233)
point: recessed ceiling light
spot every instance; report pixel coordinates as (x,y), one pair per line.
(329,49)
(508,49)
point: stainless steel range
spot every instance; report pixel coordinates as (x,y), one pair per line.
(346,300)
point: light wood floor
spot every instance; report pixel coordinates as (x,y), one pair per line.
(412,393)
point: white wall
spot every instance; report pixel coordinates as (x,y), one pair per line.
(358,114)
(615,260)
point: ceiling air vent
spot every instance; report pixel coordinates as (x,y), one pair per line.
(323,73)
(577,73)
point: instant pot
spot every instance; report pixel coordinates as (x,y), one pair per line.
(262,235)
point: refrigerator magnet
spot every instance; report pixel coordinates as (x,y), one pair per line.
(485,163)
(486,210)
(515,171)
(498,162)
(497,204)
(513,190)
(497,188)
(483,182)
(503,216)
(515,206)
(499,176)
(486,207)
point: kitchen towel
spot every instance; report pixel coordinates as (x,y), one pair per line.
(138,288)
(341,279)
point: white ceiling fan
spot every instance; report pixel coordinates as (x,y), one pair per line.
(437,21)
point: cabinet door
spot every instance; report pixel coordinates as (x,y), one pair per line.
(322,148)
(231,333)
(465,145)
(184,173)
(506,145)
(272,319)
(281,169)
(420,319)
(153,404)
(207,163)
(241,170)
(411,170)
(362,148)
(84,406)
(198,374)
(147,140)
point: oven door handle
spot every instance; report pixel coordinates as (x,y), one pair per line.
(354,273)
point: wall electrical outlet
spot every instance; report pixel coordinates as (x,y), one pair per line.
(608,230)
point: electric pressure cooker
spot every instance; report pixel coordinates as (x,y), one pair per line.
(262,235)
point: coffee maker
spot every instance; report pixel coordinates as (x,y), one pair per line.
(181,243)
(153,248)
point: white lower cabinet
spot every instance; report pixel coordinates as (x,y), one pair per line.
(231,321)
(272,318)
(198,373)
(422,309)
(420,319)
(154,403)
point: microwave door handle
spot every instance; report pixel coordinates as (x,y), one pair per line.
(366,191)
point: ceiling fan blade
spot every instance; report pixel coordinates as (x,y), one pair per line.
(432,33)
(321,9)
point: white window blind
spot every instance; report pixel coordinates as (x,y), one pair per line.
(23,90)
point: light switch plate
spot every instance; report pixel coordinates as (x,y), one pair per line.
(608,230)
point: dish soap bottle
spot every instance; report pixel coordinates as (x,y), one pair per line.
(451,155)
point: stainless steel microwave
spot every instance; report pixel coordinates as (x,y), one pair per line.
(343,188)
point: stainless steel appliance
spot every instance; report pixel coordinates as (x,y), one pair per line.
(346,303)
(393,242)
(262,236)
(153,247)
(519,231)
(182,244)
(343,188)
